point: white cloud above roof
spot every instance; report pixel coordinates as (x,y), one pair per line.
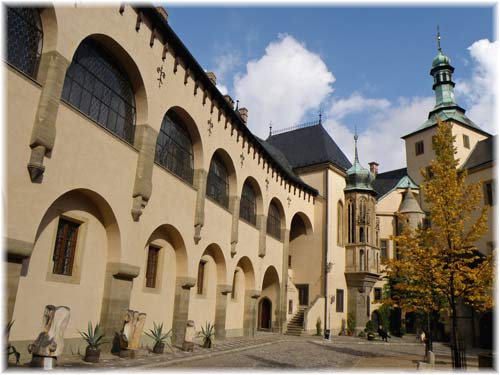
(282,85)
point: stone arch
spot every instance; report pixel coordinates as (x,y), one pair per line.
(231,171)
(258,194)
(173,236)
(194,133)
(302,220)
(279,206)
(95,242)
(105,210)
(213,250)
(271,290)
(131,69)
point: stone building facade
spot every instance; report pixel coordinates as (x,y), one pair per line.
(132,182)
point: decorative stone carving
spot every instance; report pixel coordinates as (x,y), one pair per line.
(130,335)
(50,342)
(189,336)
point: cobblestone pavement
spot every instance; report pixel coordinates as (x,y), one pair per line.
(274,351)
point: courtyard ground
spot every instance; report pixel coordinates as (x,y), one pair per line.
(275,351)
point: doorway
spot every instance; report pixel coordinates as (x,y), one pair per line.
(303,290)
(265,314)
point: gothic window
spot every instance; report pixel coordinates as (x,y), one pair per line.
(376,257)
(361,234)
(274,222)
(174,149)
(218,182)
(24,39)
(248,206)
(65,247)
(97,86)
(351,222)
(152,267)
(361,260)
(340,211)
(377,294)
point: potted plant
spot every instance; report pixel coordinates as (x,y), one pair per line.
(93,337)
(159,337)
(208,334)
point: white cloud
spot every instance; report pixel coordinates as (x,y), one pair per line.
(356,103)
(477,94)
(226,62)
(281,86)
(381,141)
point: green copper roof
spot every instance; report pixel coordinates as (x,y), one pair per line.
(358,177)
(405,182)
(446,106)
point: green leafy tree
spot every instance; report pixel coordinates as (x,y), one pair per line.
(440,265)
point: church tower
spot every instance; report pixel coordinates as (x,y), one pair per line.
(419,150)
(362,250)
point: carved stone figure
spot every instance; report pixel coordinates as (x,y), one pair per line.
(130,335)
(50,342)
(188,345)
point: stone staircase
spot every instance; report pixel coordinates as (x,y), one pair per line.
(295,326)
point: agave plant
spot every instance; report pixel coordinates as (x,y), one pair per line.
(93,336)
(208,334)
(159,337)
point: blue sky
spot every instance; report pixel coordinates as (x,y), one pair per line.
(367,66)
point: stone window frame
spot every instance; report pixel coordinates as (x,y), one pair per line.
(339,300)
(159,269)
(386,256)
(76,270)
(201,288)
(377,291)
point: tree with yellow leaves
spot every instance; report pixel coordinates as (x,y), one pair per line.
(439,265)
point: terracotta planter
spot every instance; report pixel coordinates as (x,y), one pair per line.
(92,355)
(370,336)
(159,348)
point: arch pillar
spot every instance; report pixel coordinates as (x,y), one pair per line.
(220,310)
(116,298)
(51,75)
(17,252)
(283,305)
(234,207)
(200,180)
(250,313)
(183,287)
(145,141)
(262,225)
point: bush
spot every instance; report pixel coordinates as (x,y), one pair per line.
(318,327)
(369,326)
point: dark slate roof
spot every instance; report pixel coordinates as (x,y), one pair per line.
(385,182)
(282,161)
(309,146)
(482,153)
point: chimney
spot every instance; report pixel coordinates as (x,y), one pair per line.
(163,13)
(229,100)
(243,115)
(374,167)
(211,76)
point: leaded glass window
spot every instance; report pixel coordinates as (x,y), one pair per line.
(24,39)
(218,182)
(274,222)
(174,150)
(65,247)
(248,206)
(96,84)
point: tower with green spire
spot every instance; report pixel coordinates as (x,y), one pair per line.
(419,142)
(362,267)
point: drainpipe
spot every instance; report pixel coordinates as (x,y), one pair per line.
(326,269)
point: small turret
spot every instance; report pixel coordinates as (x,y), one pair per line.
(409,206)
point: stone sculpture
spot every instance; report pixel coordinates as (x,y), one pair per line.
(188,345)
(130,335)
(50,342)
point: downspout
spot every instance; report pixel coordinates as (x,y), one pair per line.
(326,320)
